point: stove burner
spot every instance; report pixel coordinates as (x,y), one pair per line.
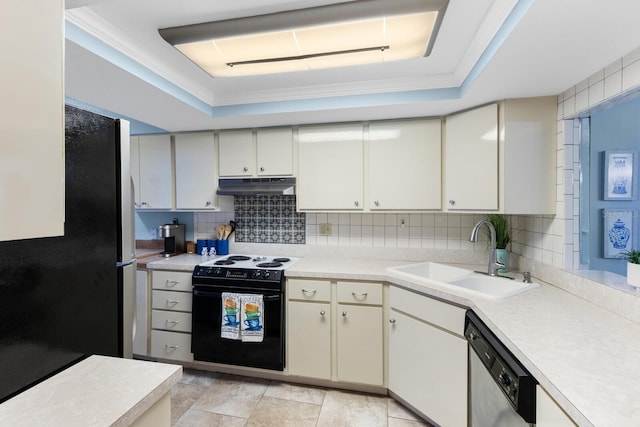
(281,260)
(269,265)
(239,258)
(224,262)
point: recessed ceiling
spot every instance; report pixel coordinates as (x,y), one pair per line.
(486,50)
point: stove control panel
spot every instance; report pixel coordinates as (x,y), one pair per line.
(237,273)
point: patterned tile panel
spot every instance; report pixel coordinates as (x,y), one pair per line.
(269,219)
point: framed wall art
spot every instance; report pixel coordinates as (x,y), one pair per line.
(619,175)
(619,231)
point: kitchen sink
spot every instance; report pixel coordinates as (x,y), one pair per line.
(462,280)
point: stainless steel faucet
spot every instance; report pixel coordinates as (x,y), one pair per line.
(493,264)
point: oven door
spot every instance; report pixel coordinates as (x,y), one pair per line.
(207,344)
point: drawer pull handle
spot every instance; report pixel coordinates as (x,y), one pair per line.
(313,292)
(171,283)
(172,303)
(172,322)
(322,313)
(170,348)
(359,296)
(392,320)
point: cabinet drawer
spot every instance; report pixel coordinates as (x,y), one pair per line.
(171,281)
(175,301)
(446,316)
(360,293)
(171,320)
(171,345)
(309,290)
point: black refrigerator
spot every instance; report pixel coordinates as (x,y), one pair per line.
(65,298)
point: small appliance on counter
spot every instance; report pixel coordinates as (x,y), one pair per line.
(173,235)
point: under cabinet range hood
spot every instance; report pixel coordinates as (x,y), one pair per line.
(256,186)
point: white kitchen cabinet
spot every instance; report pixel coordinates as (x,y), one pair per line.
(309,328)
(350,323)
(235,151)
(196,178)
(171,315)
(330,167)
(428,356)
(405,165)
(471,159)
(359,329)
(152,171)
(32,168)
(274,150)
(548,413)
(265,152)
(501,157)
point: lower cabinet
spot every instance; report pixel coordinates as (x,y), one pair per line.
(335,334)
(548,413)
(428,356)
(171,315)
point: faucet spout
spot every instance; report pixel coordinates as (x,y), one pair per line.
(493,264)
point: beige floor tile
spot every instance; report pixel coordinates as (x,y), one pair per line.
(199,378)
(298,393)
(352,409)
(399,422)
(182,397)
(397,410)
(283,413)
(195,418)
(231,395)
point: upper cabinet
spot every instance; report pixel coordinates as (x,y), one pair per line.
(501,158)
(33,171)
(152,171)
(265,152)
(405,165)
(330,167)
(196,179)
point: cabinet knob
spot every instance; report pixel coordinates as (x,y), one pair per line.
(261,169)
(377,203)
(208,203)
(356,203)
(392,320)
(245,169)
(344,314)
(452,202)
(143,204)
(322,313)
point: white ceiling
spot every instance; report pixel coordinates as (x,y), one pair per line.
(117,62)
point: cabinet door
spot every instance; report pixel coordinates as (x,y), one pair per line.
(471,160)
(548,413)
(309,339)
(405,165)
(360,347)
(428,369)
(275,152)
(32,171)
(135,168)
(330,167)
(236,153)
(195,172)
(156,176)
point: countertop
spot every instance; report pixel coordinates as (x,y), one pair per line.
(586,357)
(98,391)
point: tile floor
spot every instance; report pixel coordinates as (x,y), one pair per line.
(213,399)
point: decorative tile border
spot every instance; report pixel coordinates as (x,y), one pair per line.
(269,219)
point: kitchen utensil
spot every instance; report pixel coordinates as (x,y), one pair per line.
(220,231)
(227,231)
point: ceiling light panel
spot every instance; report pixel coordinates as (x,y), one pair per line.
(384,38)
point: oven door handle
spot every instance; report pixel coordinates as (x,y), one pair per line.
(198,292)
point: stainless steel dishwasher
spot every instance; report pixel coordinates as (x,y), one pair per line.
(502,393)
